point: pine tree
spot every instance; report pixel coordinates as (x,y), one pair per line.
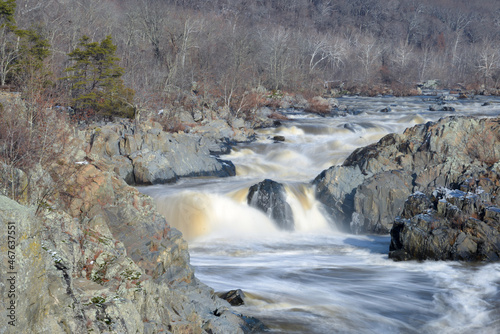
(95,80)
(7,11)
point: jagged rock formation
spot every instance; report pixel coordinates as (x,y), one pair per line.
(270,197)
(450,225)
(100,259)
(368,191)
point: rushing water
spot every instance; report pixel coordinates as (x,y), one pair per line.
(316,279)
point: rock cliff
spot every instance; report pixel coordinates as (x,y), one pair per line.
(100,259)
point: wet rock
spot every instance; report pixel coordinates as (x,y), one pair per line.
(270,197)
(438,107)
(353,127)
(279,138)
(387,109)
(233,297)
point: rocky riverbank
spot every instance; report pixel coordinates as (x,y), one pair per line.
(143,153)
(101,259)
(377,184)
(92,254)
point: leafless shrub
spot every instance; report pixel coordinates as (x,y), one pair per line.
(35,141)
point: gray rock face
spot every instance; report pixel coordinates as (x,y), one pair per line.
(270,197)
(335,188)
(104,261)
(451,225)
(147,155)
(366,193)
(379,200)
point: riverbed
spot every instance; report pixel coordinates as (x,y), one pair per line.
(317,279)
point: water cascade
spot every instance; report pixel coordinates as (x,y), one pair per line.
(314,279)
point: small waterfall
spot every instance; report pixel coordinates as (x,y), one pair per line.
(198,214)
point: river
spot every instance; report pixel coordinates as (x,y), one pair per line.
(317,279)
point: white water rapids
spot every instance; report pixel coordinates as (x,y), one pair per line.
(316,279)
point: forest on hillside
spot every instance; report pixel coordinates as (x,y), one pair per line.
(223,49)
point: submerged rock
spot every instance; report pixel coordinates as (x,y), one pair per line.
(270,197)
(279,138)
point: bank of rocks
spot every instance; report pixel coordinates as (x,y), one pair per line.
(145,154)
(448,225)
(368,192)
(101,259)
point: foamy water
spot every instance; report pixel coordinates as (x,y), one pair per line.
(315,279)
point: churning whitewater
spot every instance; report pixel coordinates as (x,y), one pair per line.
(316,279)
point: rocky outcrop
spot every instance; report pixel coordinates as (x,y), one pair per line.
(449,225)
(367,192)
(144,154)
(100,259)
(270,197)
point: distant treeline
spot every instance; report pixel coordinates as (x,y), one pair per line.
(222,48)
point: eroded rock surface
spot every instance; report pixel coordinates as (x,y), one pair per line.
(450,225)
(145,154)
(367,192)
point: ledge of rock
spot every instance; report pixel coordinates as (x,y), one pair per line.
(448,225)
(145,154)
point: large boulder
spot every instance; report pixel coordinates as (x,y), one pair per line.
(270,197)
(366,193)
(145,154)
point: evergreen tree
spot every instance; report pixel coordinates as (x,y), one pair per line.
(95,80)
(33,50)
(7,11)
(8,39)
